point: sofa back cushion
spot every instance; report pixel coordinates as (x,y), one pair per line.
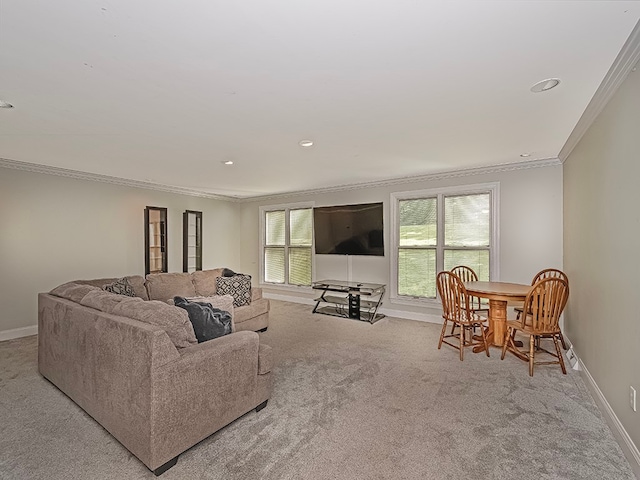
(205,281)
(163,286)
(136,281)
(72,291)
(104,301)
(172,320)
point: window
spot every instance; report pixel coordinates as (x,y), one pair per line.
(287,242)
(438,229)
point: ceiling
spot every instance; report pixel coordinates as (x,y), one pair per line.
(163,92)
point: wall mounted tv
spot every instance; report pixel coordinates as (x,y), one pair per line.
(349,229)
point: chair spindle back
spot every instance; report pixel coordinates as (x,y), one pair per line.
(454,296)
(544,304)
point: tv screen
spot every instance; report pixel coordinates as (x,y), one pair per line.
(349,229)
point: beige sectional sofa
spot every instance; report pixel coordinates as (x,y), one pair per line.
(134,364)
(164,286)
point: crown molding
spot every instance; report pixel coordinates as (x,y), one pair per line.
(64,172)
(95,177)
(466,172)
(622,66)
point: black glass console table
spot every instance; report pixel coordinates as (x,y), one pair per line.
(350,303)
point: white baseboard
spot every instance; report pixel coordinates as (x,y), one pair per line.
(629,448)
(18,333)
(289,298)
(572,358)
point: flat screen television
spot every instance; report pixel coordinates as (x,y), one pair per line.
(349,229)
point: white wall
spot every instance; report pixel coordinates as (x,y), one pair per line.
(602,259)
(55,229)
(530,231)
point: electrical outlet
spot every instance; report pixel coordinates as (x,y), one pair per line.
(632,398)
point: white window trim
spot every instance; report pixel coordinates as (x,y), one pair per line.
(494,255)
(287,206)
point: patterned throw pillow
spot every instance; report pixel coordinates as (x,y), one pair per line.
(238,286)
(120,287)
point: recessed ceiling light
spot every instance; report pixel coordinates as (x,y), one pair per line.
(227,162)
(545,85)
(306,143)
(4,104)
(525,155)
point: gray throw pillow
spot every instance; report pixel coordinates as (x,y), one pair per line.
(208,322)
(227,272)
(238,286)
(120,287)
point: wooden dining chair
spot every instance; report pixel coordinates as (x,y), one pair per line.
(456,309)
(542,274)
(543,306)
(467,274)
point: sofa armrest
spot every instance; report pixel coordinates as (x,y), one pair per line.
(256,293)
(212,384)
(265,359)
(217,349)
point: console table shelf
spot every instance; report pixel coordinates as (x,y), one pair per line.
(351,304)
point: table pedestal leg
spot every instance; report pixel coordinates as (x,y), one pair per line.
(497,325)
(497,322)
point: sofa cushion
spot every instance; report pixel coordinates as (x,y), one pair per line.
(120,287)
(163,286)
(208,322)
(205,281)
(103,300)
(173,320)
(242,314)
(238,286)
(72,291)
(136,281)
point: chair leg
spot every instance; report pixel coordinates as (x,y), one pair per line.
(532,347)
(444,329)
(484,339)
(564,344)
(508,339)
(462,329)
(560,359)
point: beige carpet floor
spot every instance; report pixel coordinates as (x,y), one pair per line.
(350,401)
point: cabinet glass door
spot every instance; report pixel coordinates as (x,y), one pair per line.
(191,241)
(155,240)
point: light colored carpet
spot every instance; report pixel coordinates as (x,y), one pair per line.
(350,401)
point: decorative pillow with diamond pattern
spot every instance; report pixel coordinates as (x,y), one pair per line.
(121,287)
(238,286)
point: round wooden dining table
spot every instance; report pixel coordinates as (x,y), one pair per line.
(498,294)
